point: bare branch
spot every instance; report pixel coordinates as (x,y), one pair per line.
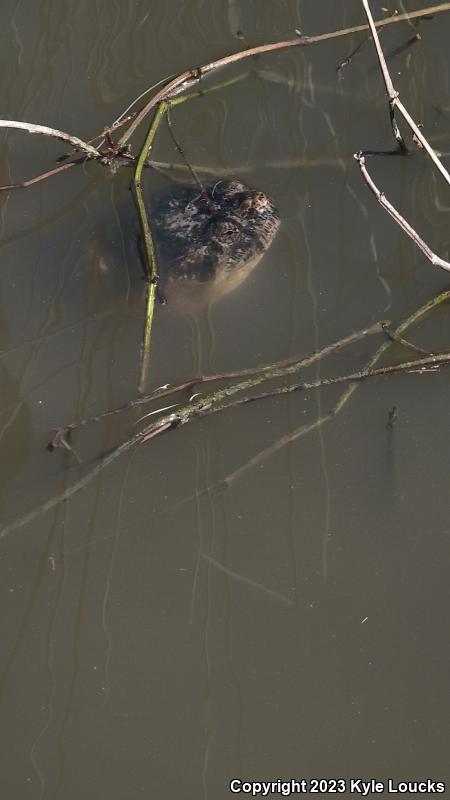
(426,250)
(208,404)
(387,78)
(181,82)
(424,142)
(395,102)
(213,403)
(419,365)
(188,78)
(43,130)
(345,397)
(257,374)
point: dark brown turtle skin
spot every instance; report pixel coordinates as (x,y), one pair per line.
(208,240)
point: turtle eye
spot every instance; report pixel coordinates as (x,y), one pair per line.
(246,204)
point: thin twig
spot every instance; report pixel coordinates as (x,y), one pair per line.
(405,342)
(180,150)
(392,94)
(100,137)
(395,102)
(246,581)
(345,397)
(189,77)
(426,250)
(43,130)
(387,78)
(423,141)
(42,177)
(419,365)
(355,52)
(205,405)
(261,373)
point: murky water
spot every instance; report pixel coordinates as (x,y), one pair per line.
(166,631)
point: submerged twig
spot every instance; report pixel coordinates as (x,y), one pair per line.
(211,404)
(356,50)
(394,337)
(342,401)
(258,374)
(419,365)
(204,405)
(246,581)
(42,176)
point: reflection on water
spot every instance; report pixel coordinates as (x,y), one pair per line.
(230,601)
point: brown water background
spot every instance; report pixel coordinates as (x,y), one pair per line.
(162,634)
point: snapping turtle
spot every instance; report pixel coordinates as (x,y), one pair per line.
(209,239)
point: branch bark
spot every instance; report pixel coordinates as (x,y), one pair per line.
(53,133)
(396,104)
(436,260)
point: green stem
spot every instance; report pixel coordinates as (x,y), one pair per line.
(151,268)
(149,249)
(176,101)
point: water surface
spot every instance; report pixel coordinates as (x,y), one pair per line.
(164,632)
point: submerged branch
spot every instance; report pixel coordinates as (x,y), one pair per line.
(211,404)
(246,581)
(42,176)
(420,365)
(258,374)
(305,429)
